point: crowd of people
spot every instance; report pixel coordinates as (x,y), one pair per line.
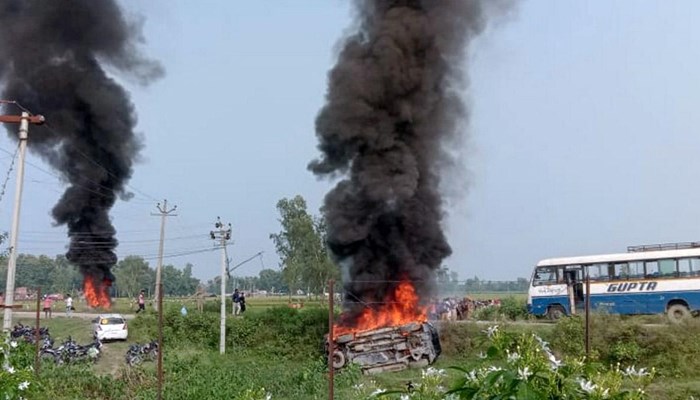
(456,309)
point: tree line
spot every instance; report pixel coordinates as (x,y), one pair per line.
(305,267)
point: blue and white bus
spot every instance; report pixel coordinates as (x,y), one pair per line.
(646,280)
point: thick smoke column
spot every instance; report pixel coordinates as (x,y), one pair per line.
(391,110)
(52,55)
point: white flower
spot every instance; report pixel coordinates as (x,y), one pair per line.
(631,371)
(604,393)
(544,345)
(433,372)
(586,386)
(482,355)
(494,368)
(491,331)
(13,344)
(471,376)
(377,392)
(358,386)
(512,357)
(554,364)
(524,373)
(10,369)
(404,397)
(22,386)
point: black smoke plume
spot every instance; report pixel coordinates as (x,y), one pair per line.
(392,108)
(52,60)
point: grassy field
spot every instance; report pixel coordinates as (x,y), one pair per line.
(278,348)
(128,306)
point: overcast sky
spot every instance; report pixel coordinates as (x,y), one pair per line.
(583,138)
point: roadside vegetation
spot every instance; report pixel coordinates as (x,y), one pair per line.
(278,352)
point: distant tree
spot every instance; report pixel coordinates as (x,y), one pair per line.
(65,277)
(178,282)
(132,275)
(189,283)
(301,247)
(271,280)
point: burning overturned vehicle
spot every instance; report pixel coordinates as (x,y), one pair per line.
(393,337)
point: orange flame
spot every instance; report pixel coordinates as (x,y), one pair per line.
(97,295)
(400,307)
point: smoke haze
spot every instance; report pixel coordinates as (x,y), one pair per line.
(393,106)
(52,59)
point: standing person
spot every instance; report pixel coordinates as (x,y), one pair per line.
(69,306)
(241,302)
(236,302)
(142,302)
(47,307)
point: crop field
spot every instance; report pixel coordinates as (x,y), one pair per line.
(278,350)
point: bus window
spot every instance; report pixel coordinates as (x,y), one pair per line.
(667,267)
(570,273)
(622,271)
(636,269)
(598,272)
(545,276)
(651,269)
(684,268)
(695,266)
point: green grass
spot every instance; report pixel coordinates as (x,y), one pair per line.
(280,350)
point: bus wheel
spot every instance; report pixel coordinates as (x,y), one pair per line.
(555,312)
(677,312)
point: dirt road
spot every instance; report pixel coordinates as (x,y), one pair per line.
(32,314)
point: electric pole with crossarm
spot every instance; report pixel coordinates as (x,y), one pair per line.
(222,234)
(163,212)
(23,120)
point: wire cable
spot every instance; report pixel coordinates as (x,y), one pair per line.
(9,170)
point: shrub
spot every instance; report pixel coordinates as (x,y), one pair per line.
(513,308)
(16,372)
(522,366)
(459,340)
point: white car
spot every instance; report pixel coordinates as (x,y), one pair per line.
(110,327)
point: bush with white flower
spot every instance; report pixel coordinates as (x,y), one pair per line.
(523,367)
(16,373)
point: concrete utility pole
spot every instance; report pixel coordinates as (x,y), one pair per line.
(223,235)
(164,213)
(23,120)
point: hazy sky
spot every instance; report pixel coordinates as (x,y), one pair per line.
(583,139)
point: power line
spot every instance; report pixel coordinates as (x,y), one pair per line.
(101,166)
(9,170)
(55,132)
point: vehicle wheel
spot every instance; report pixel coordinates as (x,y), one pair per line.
(555,312)
(338,359)
(677,313)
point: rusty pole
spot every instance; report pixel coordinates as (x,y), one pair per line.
(37,336)
(160,341)
(330,339)
(588,316)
